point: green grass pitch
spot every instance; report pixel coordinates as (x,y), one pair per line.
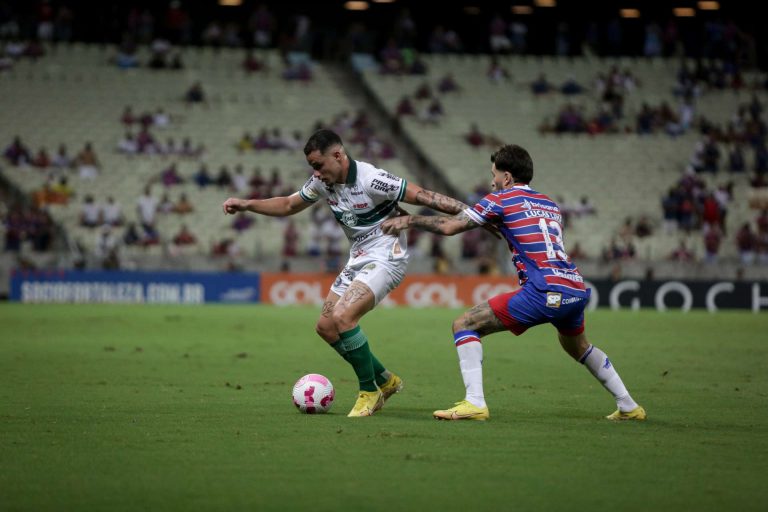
(189,408)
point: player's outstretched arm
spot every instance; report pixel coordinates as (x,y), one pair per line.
(440,224)
(273,207)
(414,194)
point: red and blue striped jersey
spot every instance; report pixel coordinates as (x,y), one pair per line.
(533,227)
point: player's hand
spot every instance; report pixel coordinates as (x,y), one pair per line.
(233,205)
(395,225)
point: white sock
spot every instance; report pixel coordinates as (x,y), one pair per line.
(470,352)
(601,367)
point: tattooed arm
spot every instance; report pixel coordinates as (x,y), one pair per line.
(439,224)
(414,194)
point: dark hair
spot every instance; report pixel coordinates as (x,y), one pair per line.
(321,140)
(514,160)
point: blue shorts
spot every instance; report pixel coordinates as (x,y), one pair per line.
(527,307)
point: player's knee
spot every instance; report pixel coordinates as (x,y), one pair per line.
(575,346)
(326,330)
(342,321)
(461,324)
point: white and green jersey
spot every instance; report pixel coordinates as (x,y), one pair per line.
(367,198)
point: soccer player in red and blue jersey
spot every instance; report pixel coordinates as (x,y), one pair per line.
(551,288)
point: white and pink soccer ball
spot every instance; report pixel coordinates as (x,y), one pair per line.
(313,394)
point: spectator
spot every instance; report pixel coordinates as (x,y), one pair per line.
(105,248)
(161,119)
(17,153)
(496,72)
(62,159)
(112,212)
(391,58)
(474,137)
(571,87)
(669,206)
(183,206)
(165,205)
(41,160)
(201,177)
(61,192)
(224,178)
(498,40)
(251,63)
(170,176)
(90,213)
(541,85)
(184,236)
(87,162)
(195,93)
(242,222)
(736,160)
(146,208)
(746,242)
(128,145)
(239,180)
(682,253)
(577,253)
(245,143)
(131,235)
(712,239)
(15,230)
(447,84)
(290,239)
(643,227)
(710,215)
(128,117)
(404,107)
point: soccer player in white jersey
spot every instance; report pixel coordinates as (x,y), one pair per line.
(361,197)
(551,288)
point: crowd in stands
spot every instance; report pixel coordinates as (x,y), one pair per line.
(86,162)
(688,207)
(26,224)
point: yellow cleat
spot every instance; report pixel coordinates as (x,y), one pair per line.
(463,410)
(368,402)
(393,385)
(637,414)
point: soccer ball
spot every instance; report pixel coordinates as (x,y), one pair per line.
(313,394)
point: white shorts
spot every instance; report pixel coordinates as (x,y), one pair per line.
(376,268)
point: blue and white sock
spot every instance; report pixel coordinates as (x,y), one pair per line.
(601,367)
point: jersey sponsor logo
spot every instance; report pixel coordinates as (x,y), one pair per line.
(554,299)
(389,176)
(487,209)
(528,205)
(360,206)
(576,278)
(332,202)
(571,300)
(366,236)
(384,187)
(349,219)
(356,192)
